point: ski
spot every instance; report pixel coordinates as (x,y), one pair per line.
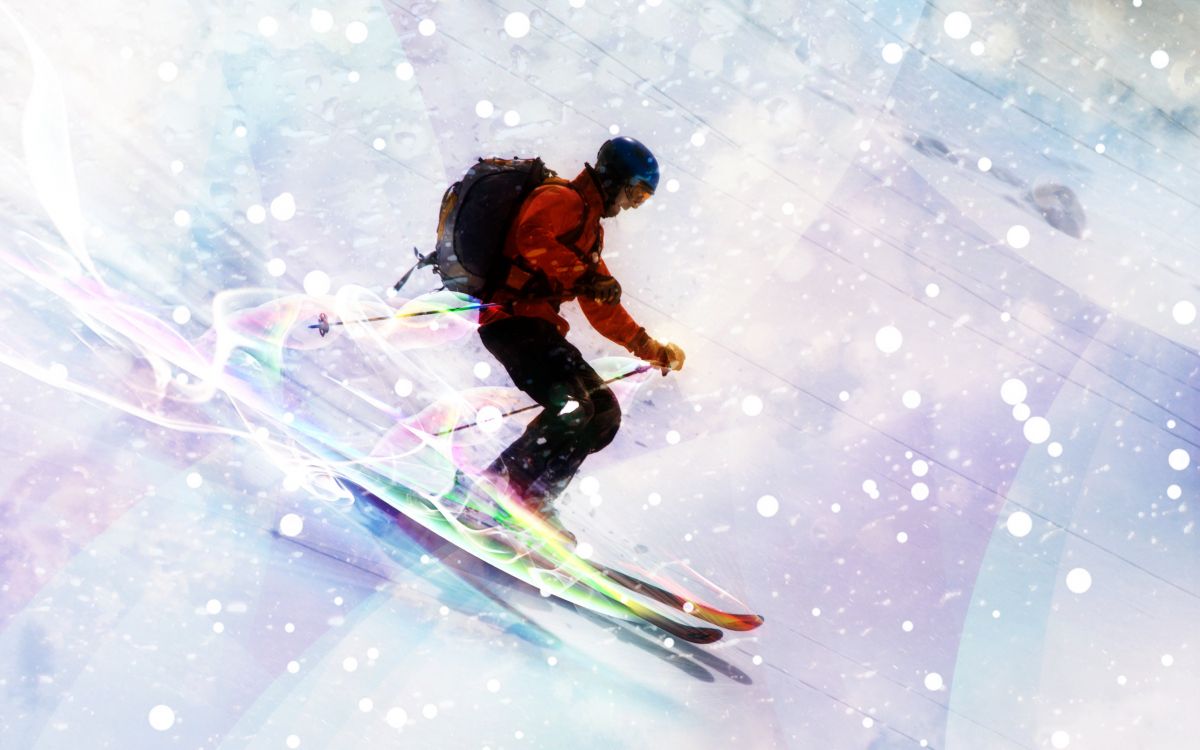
(690,633)
(514,537)
(727,620)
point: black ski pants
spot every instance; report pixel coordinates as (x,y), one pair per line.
(552,371)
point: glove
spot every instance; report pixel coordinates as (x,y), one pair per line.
(669,357)
(603,289)
(665,357)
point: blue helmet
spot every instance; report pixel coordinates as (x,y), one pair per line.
(626,161)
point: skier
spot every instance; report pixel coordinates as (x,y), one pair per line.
(553,250)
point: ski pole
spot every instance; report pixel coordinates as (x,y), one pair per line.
(635,371)
(322,325)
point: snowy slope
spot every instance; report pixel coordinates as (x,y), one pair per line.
(933,267)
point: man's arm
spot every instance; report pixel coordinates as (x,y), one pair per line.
(617,325)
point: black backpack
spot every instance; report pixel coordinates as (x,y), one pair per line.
(473,223)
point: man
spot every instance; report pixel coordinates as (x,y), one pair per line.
(553,249)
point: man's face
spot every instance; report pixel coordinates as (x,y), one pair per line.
(630,196)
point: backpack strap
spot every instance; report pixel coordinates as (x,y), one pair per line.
(422,261)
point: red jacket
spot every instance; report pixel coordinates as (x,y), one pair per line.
(557,232)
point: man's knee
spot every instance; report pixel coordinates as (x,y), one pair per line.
(606,418)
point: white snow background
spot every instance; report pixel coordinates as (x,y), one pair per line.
(934,267)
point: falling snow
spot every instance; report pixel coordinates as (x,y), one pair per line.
(933,266)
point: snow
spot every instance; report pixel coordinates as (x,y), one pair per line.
(291,524)
(1079,580)
(957,25)
(1036,430)
(283,206)
(516,24)
(853,167)
(396,717)
(161,717)
(356,32)
(317,283)
(490,419)
(767,506)
(1179,459)
(320,20)
(1160,59)
(933,681)
(1017,236)
(752,406)
(1019,524)
(892,53)
(888,339)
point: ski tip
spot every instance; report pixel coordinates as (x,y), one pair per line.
(742,622)
(728,620)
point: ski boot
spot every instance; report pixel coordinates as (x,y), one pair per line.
(542,505)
